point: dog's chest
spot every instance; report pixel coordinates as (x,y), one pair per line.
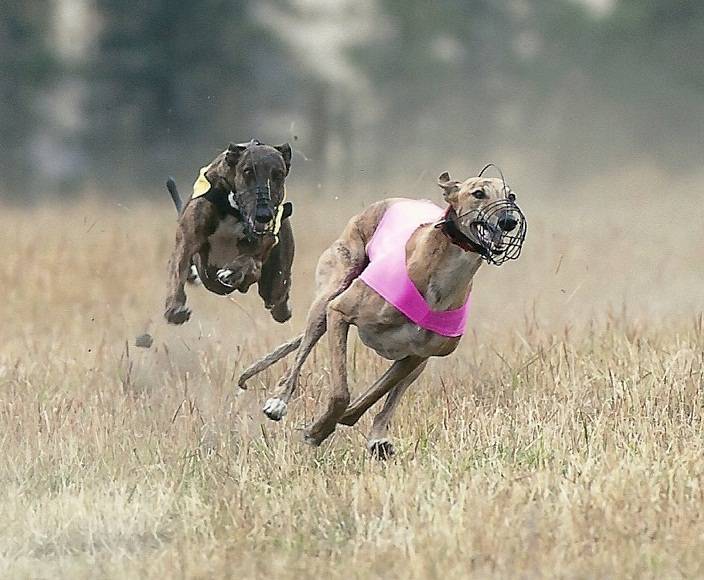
(224,241)
(384,329)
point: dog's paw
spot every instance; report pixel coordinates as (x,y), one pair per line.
(381,449)
(193,277)
(281,312)
(275,409)
(177,314)
(307,438)
(230,278)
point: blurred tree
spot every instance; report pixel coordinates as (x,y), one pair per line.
(375,88)
(172,78)
(547,79)
(26,68)
(653,74)
(317,37)
(443,76)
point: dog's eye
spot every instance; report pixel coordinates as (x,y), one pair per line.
(479,194)
(247,172)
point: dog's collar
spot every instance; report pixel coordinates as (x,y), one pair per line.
(448,227)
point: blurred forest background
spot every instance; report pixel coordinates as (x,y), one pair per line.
(113,95)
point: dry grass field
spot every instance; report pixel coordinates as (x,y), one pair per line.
(565,438)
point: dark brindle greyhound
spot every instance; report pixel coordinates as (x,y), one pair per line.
(235,230)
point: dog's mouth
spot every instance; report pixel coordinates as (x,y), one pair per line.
(261,227)
(259,221)
(487,236)
(257,225)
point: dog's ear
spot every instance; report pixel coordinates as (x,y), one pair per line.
(233,153)
(285,151)
(443,178)
(448,185)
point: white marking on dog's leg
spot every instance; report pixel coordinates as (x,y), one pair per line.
(275,409)
(193,277)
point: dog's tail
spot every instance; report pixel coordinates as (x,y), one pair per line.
(265,362)
(171,186)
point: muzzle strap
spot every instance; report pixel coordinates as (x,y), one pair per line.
(448,227)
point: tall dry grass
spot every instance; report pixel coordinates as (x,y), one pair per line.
(563,439)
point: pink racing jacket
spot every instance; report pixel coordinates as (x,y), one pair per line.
(387,273)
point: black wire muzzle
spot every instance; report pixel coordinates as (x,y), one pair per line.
(264,211)
(496,231)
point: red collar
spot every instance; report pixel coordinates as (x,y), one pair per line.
(448,227)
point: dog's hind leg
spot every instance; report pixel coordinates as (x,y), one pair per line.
(378,443)
(400,372)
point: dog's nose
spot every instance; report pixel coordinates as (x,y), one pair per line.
(263,215)
(507,222)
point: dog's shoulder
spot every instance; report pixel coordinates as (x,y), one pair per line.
(218,197)
(200,217)
(213,186)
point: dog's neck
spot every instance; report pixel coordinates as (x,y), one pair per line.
(448,227)
(442,271)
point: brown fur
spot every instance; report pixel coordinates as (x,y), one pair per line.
(441,271)
(211,236)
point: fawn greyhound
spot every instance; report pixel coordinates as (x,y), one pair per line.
(401,272)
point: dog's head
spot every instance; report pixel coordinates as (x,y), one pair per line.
(483,217)
(255,174)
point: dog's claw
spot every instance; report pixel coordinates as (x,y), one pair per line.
(275,409)
(230,278)
(177,314)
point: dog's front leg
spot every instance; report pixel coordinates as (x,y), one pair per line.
(275,281)
(338,329)
(175,310)
(401,371)
(191,234)
(379,444)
